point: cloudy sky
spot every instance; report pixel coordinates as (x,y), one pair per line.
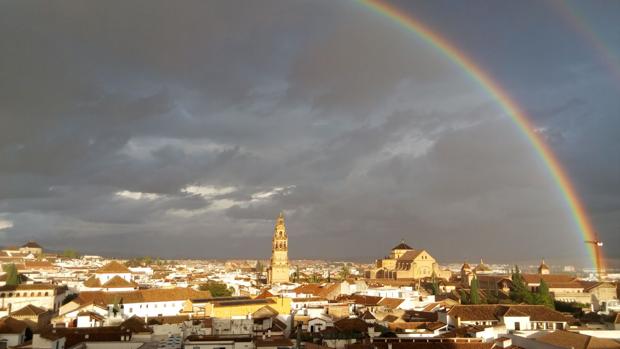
(181,129)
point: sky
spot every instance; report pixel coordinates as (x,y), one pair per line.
(181,129)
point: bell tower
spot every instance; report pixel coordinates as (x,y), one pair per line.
(279,269)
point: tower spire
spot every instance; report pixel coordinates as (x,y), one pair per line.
(279,269)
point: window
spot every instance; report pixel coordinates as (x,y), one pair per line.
(47,294)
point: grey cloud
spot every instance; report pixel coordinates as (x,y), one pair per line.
(374,135)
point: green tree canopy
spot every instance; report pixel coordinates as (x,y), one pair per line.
(12,277)
(70,253)
(217,289)
(474,297)
(543,296)
(520,292)
(464,297)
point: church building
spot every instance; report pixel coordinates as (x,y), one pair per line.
(279,269)
(406,263)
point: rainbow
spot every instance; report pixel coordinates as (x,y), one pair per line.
(587,33)
(509,106)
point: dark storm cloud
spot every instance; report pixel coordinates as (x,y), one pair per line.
(182,129)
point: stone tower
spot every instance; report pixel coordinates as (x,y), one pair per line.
(278,271)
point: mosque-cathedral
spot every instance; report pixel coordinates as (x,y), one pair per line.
(406,263)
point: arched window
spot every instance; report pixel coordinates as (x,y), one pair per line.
(2,295)
(47,293)
(10,294)
(38,294)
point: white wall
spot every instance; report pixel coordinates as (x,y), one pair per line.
(152,309)
(13,339)
(510,322)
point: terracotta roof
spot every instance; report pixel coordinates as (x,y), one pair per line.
(12,325)
(28,287)
(113,267)
(549,278)
(92,282)
(410,255)
(493,312)
(429,326)
(237,302)
(141,296)
(391,303)
(119,282)
(273,342)
(36,265)
(317,290)
(91,314)
(368,316)
(265,294)
(32,244)
(29,310)
(425,316)
(565,339)
(75,335)
(402,246)
(351,325)
(590,285)
(365,300)
(431,306)
(390,318)
(513,312)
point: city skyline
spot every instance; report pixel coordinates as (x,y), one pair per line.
(185,132)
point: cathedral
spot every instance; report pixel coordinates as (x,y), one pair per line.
(278,270)
(406,263)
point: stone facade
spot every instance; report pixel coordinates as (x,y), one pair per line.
(279,270)
(406,263)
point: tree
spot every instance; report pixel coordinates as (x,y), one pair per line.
(345,272)
(259,267)
(217,289)
(434,285)
(474,297)
(519,292)
(315,278)
(12,277)
(70,253)
(464,297)
(543,296)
